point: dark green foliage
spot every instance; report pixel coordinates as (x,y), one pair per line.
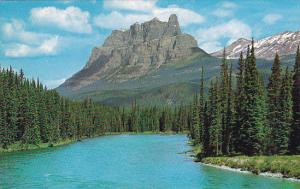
(285,114)
(195,131)
(214,112)
(226,103)
(197,113)
(274,87)
(294,145)
(239,105)
(31,114)
(254,112)
(252,119)
(206,150)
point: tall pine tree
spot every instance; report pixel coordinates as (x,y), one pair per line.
(274,87)
(294,145)
(285,114)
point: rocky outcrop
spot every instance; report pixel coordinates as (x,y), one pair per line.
(284,44)
(130,54)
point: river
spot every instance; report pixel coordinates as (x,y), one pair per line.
(124,161)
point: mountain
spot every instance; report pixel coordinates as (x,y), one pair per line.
(153,63)
(131,54)
(284,44)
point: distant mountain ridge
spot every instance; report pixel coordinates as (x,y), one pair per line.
(283,43)
(130,54)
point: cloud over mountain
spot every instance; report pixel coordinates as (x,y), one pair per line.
(71,19)
(141,11)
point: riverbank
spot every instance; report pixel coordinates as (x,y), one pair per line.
(273,166)
(23,147)
(283,166)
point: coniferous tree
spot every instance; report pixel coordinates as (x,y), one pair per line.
(225,104)
(253,123)
(274,103)
(239,105)
(11,107)
(195,134)
(31,133)
(231,120)
(4,128)
(206,149)
(285,114)
(215,119)
(294,145)
(201,105)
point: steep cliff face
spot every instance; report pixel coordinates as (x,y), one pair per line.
(130,54)
(284,44)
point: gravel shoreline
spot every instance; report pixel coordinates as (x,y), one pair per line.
(267,174)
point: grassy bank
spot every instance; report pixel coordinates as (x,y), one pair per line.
(22,147)
(288,166)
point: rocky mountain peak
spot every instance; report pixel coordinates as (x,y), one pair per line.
(130,54)
(173,24)
(284,43)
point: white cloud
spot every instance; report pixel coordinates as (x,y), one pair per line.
(15,30)
(71,19)
(271,18)
(209,38)
(51,84)
(137,5)
(229,5)
(211,46)
(225,9)
(185,16)
(47,47)
(21,43)
(116,19)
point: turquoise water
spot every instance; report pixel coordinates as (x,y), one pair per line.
(123,161)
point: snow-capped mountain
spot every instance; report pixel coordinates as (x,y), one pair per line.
(284,44)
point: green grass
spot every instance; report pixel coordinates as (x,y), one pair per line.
(288,166)
(21,147)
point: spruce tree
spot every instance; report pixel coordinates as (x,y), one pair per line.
(196,122)
(31,133)
(225,104)
(285,114)
(294,145)
(230,118)
(253,121)
(4,128)
(274,87)
(215,118)
(201,105)
(206,144)
(239,105)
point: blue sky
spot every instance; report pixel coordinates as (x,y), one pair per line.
(53,40)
